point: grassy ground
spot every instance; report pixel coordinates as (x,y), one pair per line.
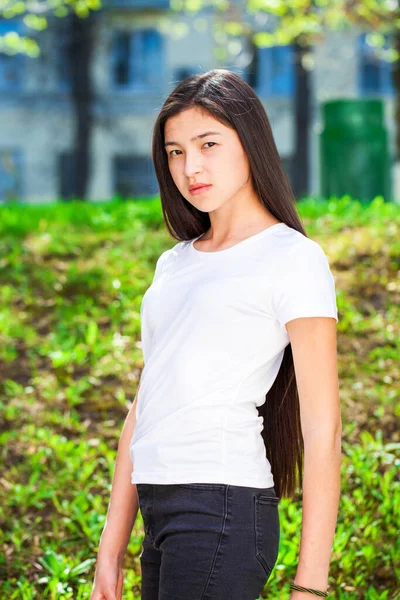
(71,280)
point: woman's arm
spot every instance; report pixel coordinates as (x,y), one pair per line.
(314,348)
(123,505)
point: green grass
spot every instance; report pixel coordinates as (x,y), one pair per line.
(71,281)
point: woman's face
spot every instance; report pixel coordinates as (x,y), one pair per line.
(217,159)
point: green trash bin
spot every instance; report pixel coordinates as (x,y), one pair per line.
(354,155)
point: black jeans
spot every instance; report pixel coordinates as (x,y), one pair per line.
(207,541)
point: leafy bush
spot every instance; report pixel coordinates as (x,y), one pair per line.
(71,281)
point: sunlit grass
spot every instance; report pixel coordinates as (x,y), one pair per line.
(71,281)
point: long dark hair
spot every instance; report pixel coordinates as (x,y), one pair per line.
(230,100)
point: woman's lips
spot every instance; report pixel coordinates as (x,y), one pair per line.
(201,190)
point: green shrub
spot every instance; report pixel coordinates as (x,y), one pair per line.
(71,281)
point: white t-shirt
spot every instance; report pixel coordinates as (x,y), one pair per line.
(213,338)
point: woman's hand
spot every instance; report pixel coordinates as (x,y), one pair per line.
(108,582)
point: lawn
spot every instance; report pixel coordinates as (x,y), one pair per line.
(71,280)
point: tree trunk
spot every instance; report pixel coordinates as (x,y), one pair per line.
(302,104)
(396,81)
(81,46)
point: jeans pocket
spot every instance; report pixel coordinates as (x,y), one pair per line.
(266,530)
(145,493)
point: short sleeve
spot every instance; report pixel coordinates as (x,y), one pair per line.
(144,332)
(162,259)
(145,320)
(305,287)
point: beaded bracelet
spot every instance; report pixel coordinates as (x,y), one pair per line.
(294,586)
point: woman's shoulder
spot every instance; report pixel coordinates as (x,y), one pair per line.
(168,256)
(297,256)
(293,244)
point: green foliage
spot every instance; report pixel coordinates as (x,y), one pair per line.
(12,43)
(299,20)
(71,281)
(302,21)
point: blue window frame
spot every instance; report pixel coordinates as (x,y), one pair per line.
(272,71)
(375,75)
(137,59)
(133,176)
(11,65)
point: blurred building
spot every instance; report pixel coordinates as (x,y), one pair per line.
(138,59)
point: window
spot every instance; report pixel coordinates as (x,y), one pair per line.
(10,174)
(11,65)
(137,59)
(121,57)
(375,73)
(134,175)
(181,73)
(287,163)
(271,72)
(66,175)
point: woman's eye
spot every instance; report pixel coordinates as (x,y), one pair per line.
(213,143)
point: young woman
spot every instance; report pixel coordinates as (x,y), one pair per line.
(240,384)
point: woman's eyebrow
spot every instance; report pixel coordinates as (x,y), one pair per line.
(196,137)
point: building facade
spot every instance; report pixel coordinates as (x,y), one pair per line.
(141,52)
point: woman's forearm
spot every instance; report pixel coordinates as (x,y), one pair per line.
(123,505)
(321,495)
